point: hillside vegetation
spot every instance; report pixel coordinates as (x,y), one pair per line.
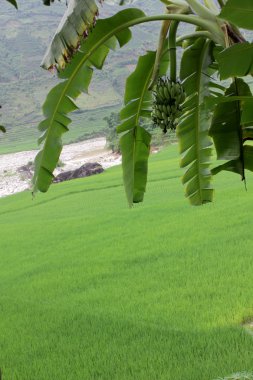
(93,290)
(25,35)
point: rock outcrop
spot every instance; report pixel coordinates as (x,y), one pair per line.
(85,170)
(26,171)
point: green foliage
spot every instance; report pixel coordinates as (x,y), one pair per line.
(76,79)
(158,140)
(228,140)
(239,13)
(138,98)
(112,139)
(215,51)
(236,61)
(135,148)
(135,144)
(195,146)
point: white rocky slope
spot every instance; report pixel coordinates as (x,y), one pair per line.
(73,156)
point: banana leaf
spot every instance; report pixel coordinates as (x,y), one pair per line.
(227,129)
(135,144)
(77,22)
(236,61)
(238,12)
(75,80)
(194,143)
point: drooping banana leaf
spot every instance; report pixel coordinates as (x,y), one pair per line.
(137,98)
(135,144)
(230,166)
(77,22)
(246,105)
(76,79)
(236,61)
(135,148)
(194,144)
(235,166)
(238,12)
(227,129)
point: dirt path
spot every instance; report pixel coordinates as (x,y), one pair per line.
(73,156)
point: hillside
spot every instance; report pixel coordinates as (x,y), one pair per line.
(24,37)
(92,290)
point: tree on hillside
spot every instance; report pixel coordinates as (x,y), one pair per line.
(208,100)
(112,140)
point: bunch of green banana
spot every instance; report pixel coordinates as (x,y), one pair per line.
(167,104)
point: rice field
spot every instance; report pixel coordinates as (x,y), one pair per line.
(92,290)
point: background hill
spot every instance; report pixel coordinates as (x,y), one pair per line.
(25,35)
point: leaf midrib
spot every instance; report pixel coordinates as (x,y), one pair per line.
(144,90)
(202,58)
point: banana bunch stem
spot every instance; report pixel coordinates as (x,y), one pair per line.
(172,50)
(160,48)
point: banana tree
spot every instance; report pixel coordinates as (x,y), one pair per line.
(206,96)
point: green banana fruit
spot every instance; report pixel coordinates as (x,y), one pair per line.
(167,103)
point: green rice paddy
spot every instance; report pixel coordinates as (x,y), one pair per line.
(92,290)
